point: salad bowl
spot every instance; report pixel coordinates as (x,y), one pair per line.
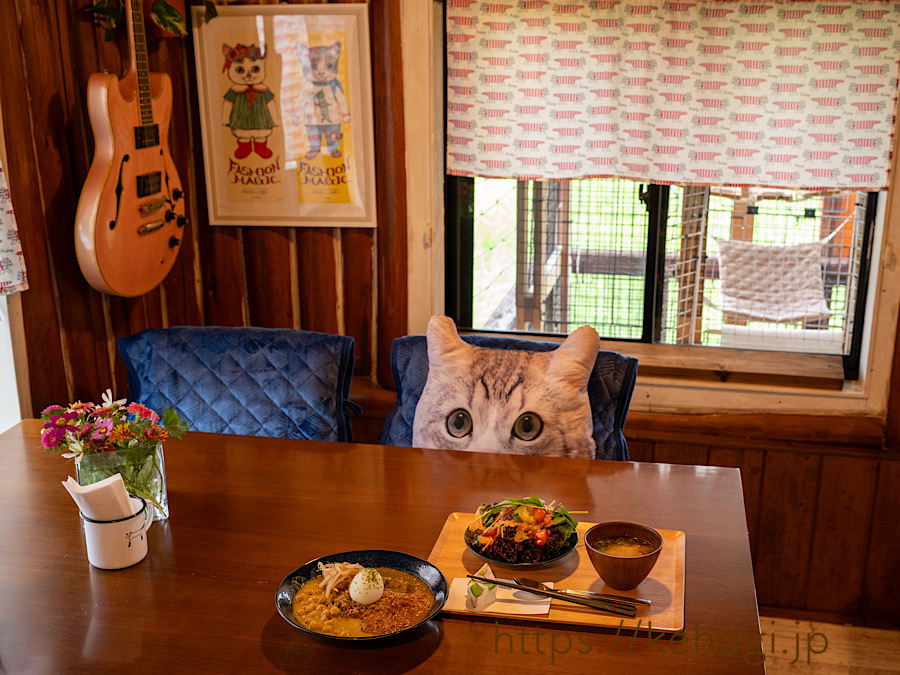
(564,551)
(531,523)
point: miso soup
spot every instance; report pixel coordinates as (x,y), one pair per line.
(624,547)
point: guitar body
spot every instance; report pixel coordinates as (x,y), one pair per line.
(130,219)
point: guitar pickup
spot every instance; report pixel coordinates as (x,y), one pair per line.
(152,226)
(151,207)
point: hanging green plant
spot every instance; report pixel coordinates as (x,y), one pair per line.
(168,18)
(108,15)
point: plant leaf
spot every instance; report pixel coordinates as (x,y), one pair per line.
(173,423)
(168,18)
(211,11)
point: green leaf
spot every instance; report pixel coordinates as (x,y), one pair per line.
(211,11)
(173,423)
(168,18)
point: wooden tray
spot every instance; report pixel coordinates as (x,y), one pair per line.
(664,587)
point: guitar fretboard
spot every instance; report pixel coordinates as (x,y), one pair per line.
(141,63)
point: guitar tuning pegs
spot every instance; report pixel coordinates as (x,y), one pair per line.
(177,194)
(170,215)
(174,241)
(182,221)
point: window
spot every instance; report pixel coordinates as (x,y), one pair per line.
(578,139)
(644,262)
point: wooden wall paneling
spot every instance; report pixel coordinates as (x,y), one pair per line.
(357,248)
(181,303)
(223,275)
(788,501)
(840,536)
(42,330)
(881,586)
(750,463)
(390,151)
(640,451)
(317,278)
(671,452)
(268,267)
(52,112)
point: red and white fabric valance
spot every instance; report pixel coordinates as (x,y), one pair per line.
(12,262)
(798,94)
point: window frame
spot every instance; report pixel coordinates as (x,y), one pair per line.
(422,48)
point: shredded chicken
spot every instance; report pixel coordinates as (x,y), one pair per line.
(336,573)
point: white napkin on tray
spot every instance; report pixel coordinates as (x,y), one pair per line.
(509,600)
(104,500)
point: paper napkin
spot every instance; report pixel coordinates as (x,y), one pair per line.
(104,500)
(509,600)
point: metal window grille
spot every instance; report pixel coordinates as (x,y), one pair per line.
(549,256)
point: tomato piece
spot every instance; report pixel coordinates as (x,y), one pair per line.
(539,515)
(490,533)
(541,537)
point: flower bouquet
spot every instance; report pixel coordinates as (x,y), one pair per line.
(113,438)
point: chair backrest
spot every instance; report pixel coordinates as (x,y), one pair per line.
(251,381)
(609,389)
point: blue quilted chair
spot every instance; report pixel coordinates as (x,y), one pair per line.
(251,381)
(609,389)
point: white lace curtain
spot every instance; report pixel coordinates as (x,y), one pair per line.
(781,94)
(12,263)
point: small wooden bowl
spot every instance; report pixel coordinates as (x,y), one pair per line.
(623,573)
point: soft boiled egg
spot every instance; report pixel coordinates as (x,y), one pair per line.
(367,586)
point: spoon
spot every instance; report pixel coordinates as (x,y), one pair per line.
(531,583)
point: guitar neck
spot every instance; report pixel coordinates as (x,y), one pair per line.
(147,134)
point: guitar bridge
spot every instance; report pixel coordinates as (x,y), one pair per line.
(152,226)
(151,207)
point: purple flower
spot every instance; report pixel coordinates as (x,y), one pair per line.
(52,409)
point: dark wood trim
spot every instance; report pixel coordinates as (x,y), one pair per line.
(390,160)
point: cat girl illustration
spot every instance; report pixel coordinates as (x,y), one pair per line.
(249,108)
(321,104)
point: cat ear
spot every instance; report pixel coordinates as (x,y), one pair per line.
(302,51)
(225,50)
(445,348)
(574,359)
(336,46)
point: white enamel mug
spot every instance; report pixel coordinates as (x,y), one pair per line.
(114,544)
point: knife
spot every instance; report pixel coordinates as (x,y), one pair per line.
(602,605)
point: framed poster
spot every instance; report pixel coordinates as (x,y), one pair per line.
(285,97)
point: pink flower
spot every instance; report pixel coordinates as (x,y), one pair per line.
(50,438)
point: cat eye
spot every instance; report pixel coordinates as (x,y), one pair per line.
(255,69)
(459,423)
(528,427)
(239,70)
(329,65)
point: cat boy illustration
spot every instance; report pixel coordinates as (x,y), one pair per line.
(321,105)
(249,108)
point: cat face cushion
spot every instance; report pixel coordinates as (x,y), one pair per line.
(516,402)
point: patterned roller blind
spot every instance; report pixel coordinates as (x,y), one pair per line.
(781,94)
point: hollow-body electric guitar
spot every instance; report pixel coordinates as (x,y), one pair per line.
(131,214)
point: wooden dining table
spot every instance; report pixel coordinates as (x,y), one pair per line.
(247,511)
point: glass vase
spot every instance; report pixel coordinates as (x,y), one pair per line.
(143,472)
